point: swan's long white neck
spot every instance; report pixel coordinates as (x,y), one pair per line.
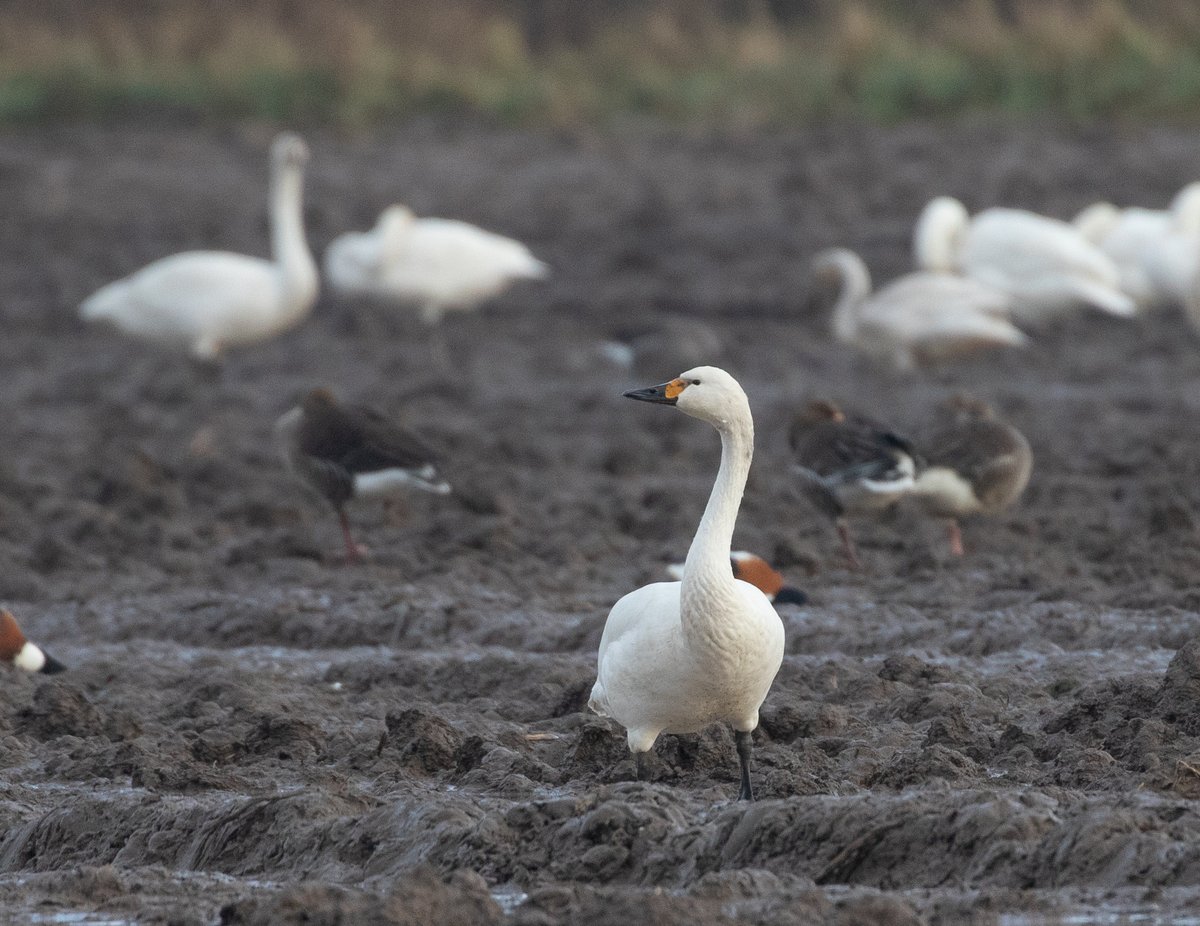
(708,584)
(1186,209)
(939,234)
(289,247)
(856,287)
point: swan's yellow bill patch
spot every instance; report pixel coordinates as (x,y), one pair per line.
(674,388)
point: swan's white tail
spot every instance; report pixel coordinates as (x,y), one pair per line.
(1004,333)
(105,302)
(1105,299)
(533,269)
(598,702)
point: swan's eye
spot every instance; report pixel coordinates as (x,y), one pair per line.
(695,382)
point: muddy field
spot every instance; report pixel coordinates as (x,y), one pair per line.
(252,733)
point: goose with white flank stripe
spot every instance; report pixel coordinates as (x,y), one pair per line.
(975,464)
(346,452)
(849,465)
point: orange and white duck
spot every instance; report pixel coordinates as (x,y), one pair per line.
(752,568)
(20,652)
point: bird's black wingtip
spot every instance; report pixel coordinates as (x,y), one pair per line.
(52,666)
(790,595)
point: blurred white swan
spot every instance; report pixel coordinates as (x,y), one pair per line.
(1157,251)
(438,264)
(917,318)
(206,301)
(1046,266)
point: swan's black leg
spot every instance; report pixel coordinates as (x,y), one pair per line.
(641,765)
(744,745)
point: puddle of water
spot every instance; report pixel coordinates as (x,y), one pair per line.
(509,900)
(72,918)
(1101,918)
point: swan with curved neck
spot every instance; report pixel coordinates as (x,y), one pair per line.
(940,232)
(919,317)
(1185,209)
(437,264)
(678,656)
(206,301)
(1046,266)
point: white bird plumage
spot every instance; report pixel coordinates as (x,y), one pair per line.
(206,301)
(1045,265)
(919,317)
(678,656)
(437,264)
(1157,251)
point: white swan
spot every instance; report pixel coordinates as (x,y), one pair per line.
(678,656)
(917,318)
(1185,209)
(1046,266)
(1181,215)
(438,264)
(1157,251)
(207,301)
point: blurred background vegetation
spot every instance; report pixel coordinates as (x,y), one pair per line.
(565,62)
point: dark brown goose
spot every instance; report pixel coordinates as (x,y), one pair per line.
(975,464)
(19,652)
(849,465)
(347,451)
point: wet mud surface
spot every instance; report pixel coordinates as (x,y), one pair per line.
(252,733)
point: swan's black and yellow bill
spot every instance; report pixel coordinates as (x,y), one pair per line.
(664,394)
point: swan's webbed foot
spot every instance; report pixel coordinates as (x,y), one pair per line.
(745,743)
